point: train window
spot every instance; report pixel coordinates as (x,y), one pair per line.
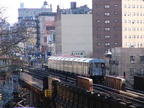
(96,65)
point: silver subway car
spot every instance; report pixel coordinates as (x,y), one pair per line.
(89,67)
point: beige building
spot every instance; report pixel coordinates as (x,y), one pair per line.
(133,23)
(128,60)
(74,34)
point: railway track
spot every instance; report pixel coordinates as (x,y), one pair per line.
(129,96)
(124,96)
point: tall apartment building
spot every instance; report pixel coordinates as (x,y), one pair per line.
(117,23)
(74,31)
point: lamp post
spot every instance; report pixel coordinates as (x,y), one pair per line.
(109,55)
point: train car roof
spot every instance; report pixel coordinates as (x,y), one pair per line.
(90,60)
(98,60)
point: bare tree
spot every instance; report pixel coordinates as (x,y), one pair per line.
(10,37)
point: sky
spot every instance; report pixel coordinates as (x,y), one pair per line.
(13,5)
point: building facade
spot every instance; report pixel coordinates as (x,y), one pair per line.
(28,17)
(46,25)
(107,26)
(117,23)
(128,60)
(31,13)
(74,31)
(133,23)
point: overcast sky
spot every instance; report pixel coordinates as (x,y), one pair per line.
(13,5)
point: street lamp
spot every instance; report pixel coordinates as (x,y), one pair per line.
(109,55)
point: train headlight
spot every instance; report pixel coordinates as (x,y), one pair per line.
(102,65)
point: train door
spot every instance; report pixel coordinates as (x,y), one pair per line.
(78,67)
(81,70)
(91,68)
(74,67)
(86,69)
(96,69)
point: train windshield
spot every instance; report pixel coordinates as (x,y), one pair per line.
(98,68)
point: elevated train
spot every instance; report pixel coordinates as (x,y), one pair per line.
(89,67)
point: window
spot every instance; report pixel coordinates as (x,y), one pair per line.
(133,6)
(49,28)
(107,6)
(98,28)
(129,29)
(115,36)
(129,44)
(138,44)
(115,28)
(107,44)
(133,13)
(107,29)
(98,51)
(129,14)
(115,43)
(134,36)
(107,21)
(133,21)
(125,44)
(98,36)
(115,21)
(107,14)
(141,71)
(132,71)
(115,5)
(142,59)
(133,29)
(98,44)
(98,13)
(132,59)
(98,6)
(107,36)
(115,13)
(125,29)
(133,45)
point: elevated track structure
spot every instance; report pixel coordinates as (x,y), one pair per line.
(55,90)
